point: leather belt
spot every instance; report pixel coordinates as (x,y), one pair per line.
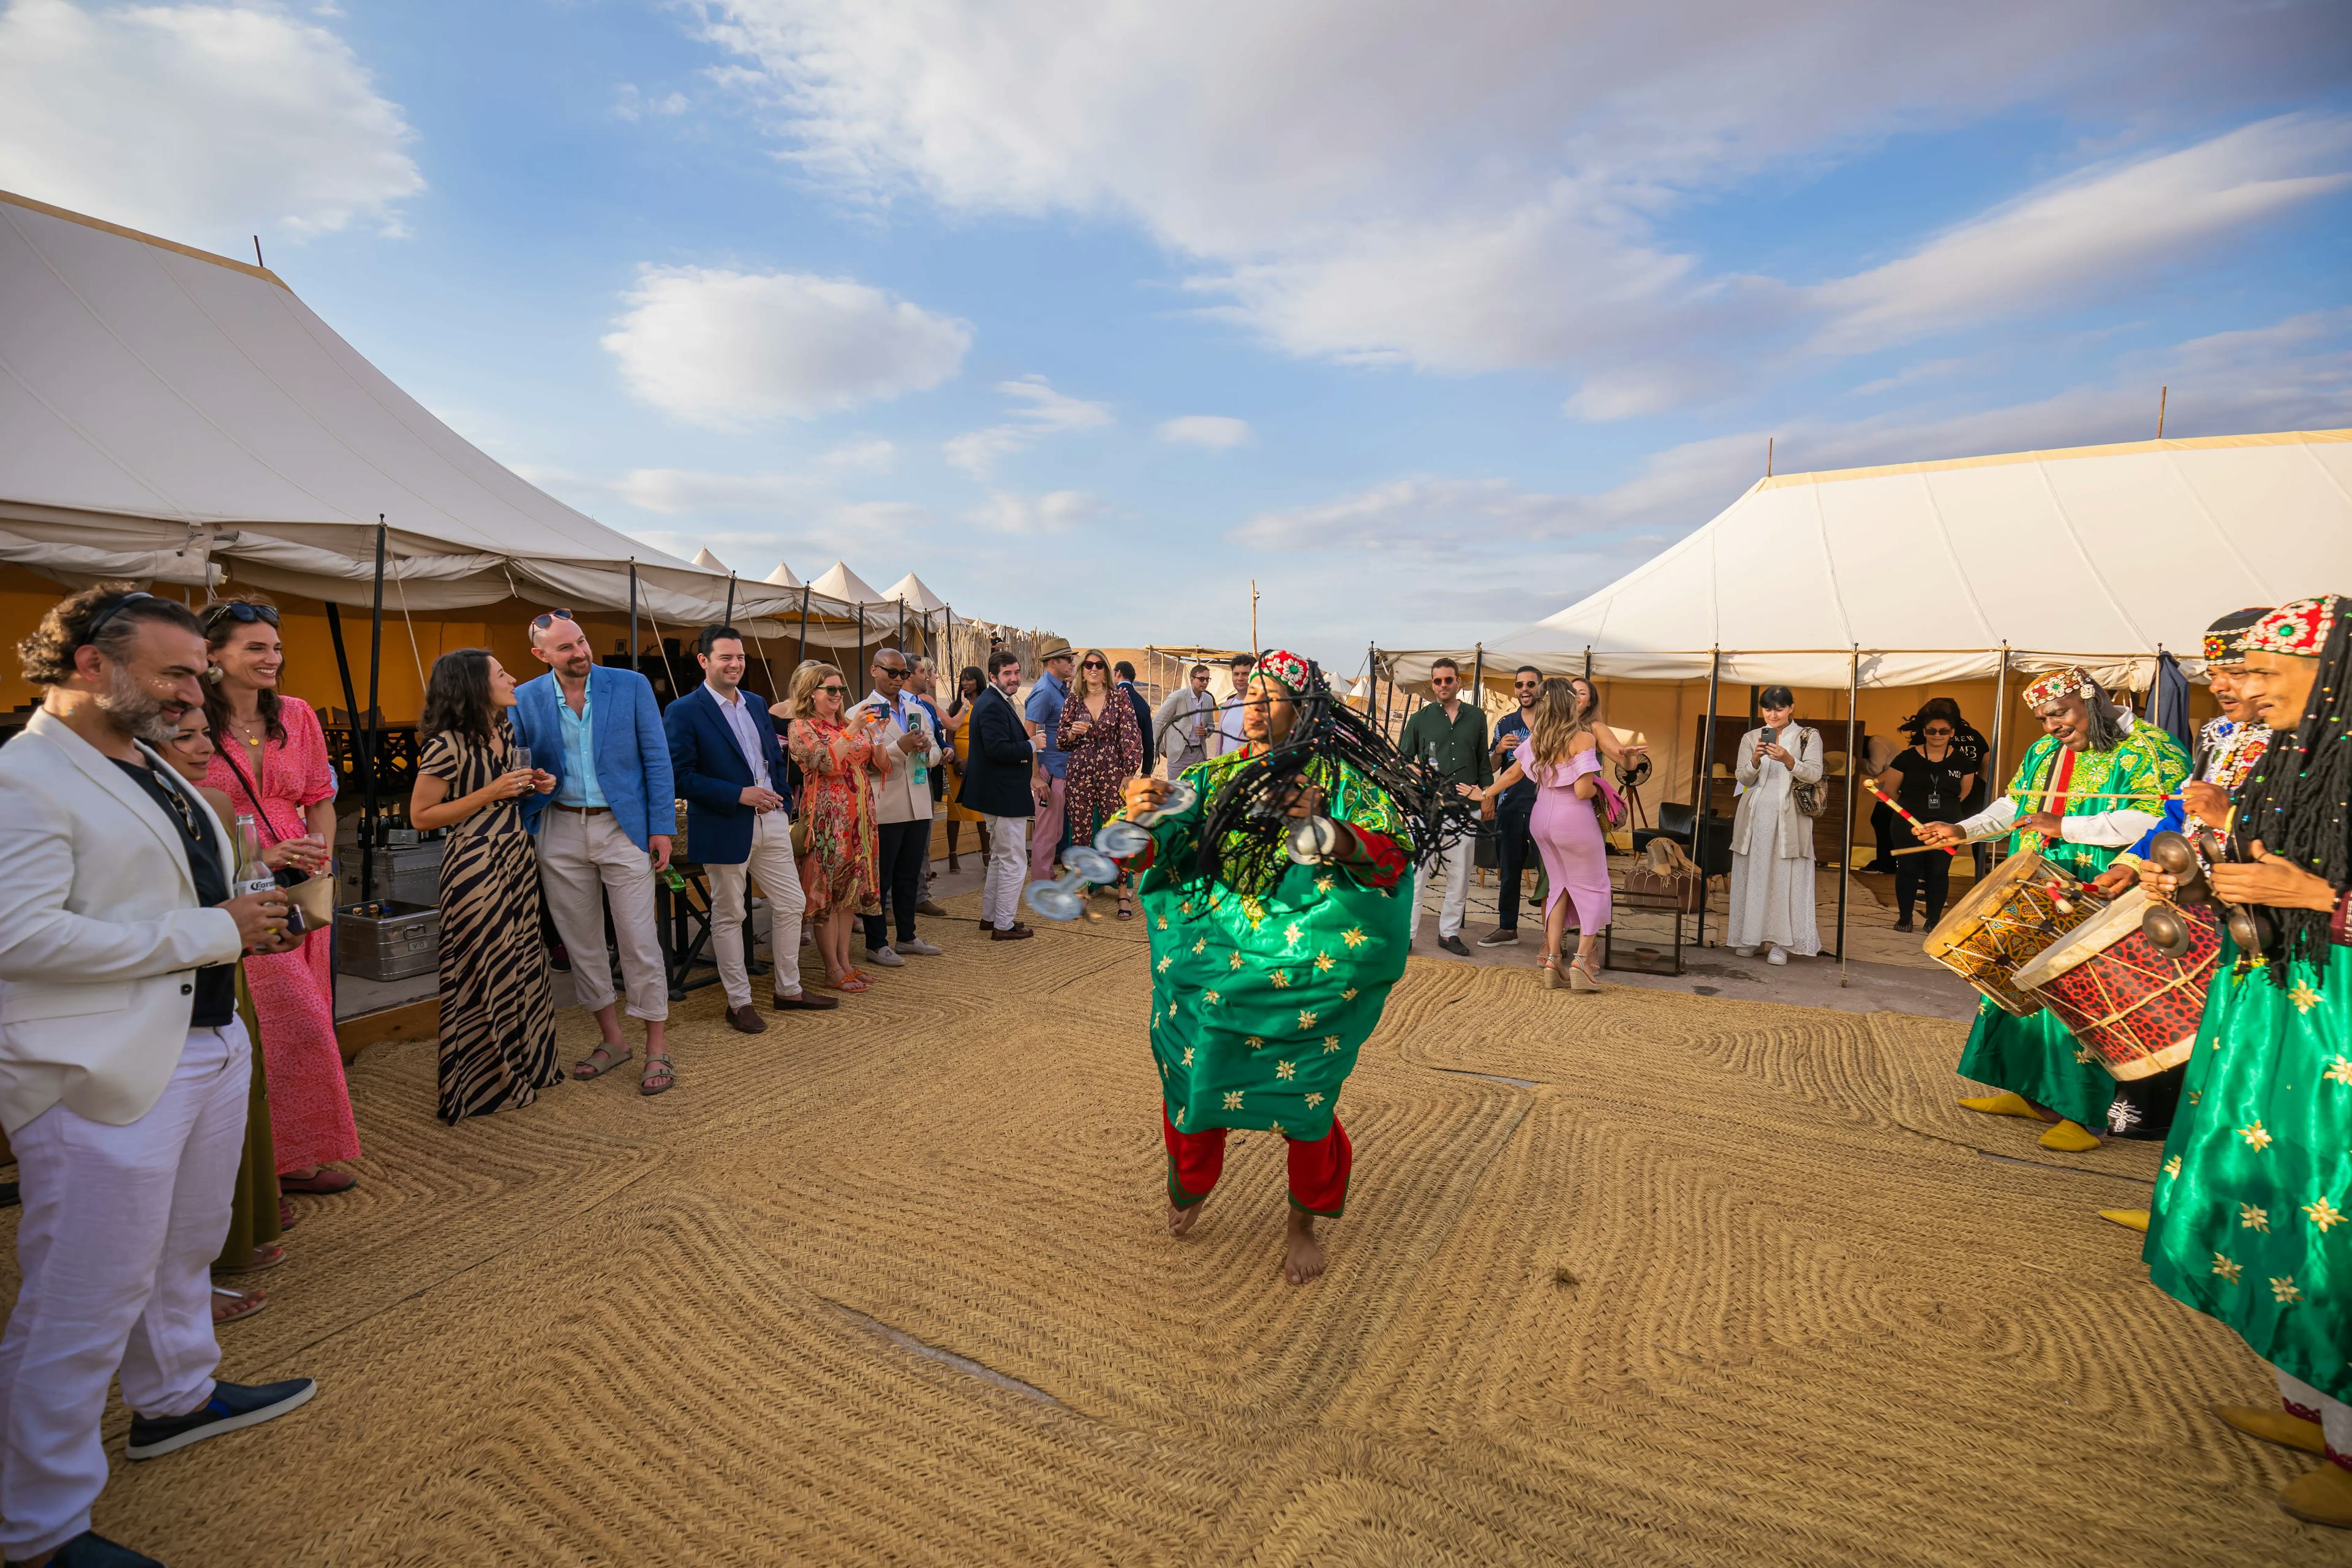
(581,810)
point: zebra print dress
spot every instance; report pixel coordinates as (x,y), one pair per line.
(497,1016)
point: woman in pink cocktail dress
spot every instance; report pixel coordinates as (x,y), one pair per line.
(272,762)
(1561,753)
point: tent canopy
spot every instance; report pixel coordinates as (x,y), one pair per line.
(783,577)
(912,592)
(2092,555)
(841,583)
(167,413)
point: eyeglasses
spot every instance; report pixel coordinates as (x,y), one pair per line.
(1936,730)
(1094,664)
(540,622)
(239,610)
(835,687)
(97,622)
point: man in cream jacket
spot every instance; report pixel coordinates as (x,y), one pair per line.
(903,738)
(123,1068)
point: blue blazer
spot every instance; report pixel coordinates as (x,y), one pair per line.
(632,753)
(712,774)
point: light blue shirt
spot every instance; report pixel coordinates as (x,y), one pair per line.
(1045,709)
(579,730)
(744,728)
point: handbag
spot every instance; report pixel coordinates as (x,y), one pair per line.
(314,895)
(1812,798)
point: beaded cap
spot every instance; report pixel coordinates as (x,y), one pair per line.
(2225,639)
(2298,626)
(2072,681)
(1285,667)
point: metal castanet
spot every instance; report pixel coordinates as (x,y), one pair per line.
(2187,857)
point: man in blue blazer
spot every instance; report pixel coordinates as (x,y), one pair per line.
(1001,780)
(730,772)
(604,831)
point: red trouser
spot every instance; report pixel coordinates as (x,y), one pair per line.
(1319,1171)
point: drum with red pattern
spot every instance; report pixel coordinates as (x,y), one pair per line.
(2131,1007)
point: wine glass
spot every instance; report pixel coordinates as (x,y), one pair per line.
(518,758)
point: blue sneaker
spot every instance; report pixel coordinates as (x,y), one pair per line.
(92,1549)
(233,1406)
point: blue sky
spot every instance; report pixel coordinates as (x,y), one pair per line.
(1431,319)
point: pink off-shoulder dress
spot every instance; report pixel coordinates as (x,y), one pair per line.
(1568,834)
(293,991)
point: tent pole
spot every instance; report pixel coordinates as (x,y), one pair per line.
(804,657)
(729,618)
(1588,662)
(1704,790)
(373,821)
(1478,676)
(1846,854)
(633,612)
(1373,692)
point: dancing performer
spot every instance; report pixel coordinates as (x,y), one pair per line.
(2250,1208)
(1269,971)
(2228,747)
(2090,785)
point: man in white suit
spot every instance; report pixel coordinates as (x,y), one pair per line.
(123,1069)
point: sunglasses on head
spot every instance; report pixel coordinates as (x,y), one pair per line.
(238,610)
(97,622)
(540,622)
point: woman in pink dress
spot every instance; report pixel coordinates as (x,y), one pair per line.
(272,763)
(1562,755)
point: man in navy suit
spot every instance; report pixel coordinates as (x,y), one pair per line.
(730,772)
(604,831)
(1001,781)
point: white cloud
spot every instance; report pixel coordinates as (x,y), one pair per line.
(676,492)
(1468,189)
(2095,231)
(632,102)
(1039,411)
(1215,431)
(1057,512)
(873,455)
(203,123)
(727,350)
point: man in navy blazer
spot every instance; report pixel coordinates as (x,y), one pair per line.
(1001,780)
(604,831)
(730,772)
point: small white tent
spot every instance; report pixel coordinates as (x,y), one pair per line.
(1943,571)
(783,577)
(913,593)
(840,582)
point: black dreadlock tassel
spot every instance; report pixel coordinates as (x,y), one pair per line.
(2295,802)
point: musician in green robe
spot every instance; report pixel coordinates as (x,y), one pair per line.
(2090,786)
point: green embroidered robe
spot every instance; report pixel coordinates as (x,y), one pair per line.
(1260,998)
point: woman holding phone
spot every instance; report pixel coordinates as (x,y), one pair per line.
(497,1016)
(1771,840)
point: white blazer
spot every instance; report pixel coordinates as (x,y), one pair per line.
(897,797)
(100,930)
(1768,821)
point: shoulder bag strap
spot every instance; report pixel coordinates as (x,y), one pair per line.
(259,816)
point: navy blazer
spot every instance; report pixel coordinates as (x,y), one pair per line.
(996,775)
(711,773)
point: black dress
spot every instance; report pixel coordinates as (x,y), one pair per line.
(497,1016)
(1932,792)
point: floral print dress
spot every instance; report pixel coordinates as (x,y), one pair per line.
(1102,761)
(838,766)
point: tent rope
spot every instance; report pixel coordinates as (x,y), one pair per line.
(397,582)
(667,673)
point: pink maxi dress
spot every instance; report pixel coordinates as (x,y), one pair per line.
(1567,835)
(293,991)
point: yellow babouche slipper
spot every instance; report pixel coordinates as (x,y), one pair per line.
(2130,1220)
(2273,1424)
(2070,1138)
(2323,1497)
(2006,1103)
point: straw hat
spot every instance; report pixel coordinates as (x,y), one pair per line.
(1055,649)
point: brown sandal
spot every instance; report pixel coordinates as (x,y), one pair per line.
(269,1255)
(588,1066)
(657,1079)
(229,1305)
(323,1183)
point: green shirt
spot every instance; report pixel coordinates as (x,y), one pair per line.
(1260,1002)
(1461,742)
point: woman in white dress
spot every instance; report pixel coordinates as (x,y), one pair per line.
(1771,840)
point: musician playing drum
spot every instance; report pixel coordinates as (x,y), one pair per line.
(2091,785)
(2250,1203)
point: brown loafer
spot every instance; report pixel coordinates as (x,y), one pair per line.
(803,1003)
(1015,933)
(747,1020)
(985,926)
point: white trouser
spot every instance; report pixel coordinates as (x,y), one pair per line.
(581,859)
(2334,1415)
(1455,858)
(116,1245)
(780,883)
(1008,871)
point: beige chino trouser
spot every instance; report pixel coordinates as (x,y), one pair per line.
(771,861)
(583,861)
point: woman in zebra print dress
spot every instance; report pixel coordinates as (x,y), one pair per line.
(497,1019)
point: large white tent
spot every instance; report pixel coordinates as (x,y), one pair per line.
(165,413)
(1938,571)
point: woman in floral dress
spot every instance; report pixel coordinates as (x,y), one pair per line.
(1106,751)
(271,760)
(838,766)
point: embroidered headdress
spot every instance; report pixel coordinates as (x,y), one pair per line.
(1285,666)
(2299,626)
(2225,639)
(2072,681)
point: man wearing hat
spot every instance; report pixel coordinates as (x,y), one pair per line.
(1044,710)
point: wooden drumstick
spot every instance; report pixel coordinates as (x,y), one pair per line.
(1871,786)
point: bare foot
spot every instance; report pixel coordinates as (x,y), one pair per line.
(1304,1260)
(1181,1220)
